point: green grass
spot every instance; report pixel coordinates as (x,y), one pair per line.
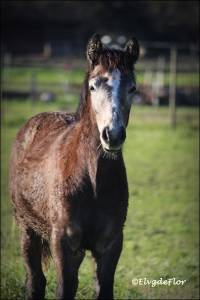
(54,79)
(161,232)
(46,75)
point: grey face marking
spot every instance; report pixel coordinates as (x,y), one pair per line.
(111,103)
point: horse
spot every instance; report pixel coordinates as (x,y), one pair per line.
(68,179)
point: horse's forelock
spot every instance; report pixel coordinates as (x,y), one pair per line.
(111,59)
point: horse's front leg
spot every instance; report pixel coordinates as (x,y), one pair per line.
(67,264)
(106,266)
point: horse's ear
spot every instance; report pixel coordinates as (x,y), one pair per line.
(94,48)
(132,48)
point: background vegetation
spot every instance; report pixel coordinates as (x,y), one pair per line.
(20,78)
(27,25)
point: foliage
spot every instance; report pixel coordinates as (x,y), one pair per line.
(163,20)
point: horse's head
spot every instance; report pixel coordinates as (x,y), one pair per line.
(111,85)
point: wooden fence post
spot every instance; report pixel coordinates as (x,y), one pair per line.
(158,82)
(172,87)
(33,92)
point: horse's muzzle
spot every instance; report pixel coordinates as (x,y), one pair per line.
(112,139)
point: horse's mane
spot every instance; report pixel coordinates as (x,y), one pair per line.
(109,59)
(83,97)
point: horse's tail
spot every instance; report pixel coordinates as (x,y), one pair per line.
(46,254)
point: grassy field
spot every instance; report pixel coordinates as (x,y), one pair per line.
(16,78)
(161,232)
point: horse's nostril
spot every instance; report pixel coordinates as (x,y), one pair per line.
(105,134)
(114,137)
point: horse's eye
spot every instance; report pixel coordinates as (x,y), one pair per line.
(132,89)
(92,88)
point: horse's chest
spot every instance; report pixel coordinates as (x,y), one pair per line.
(94,233)
(94,224)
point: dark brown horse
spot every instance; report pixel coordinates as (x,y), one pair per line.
(68,179)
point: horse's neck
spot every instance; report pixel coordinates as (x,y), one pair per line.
(88,144)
